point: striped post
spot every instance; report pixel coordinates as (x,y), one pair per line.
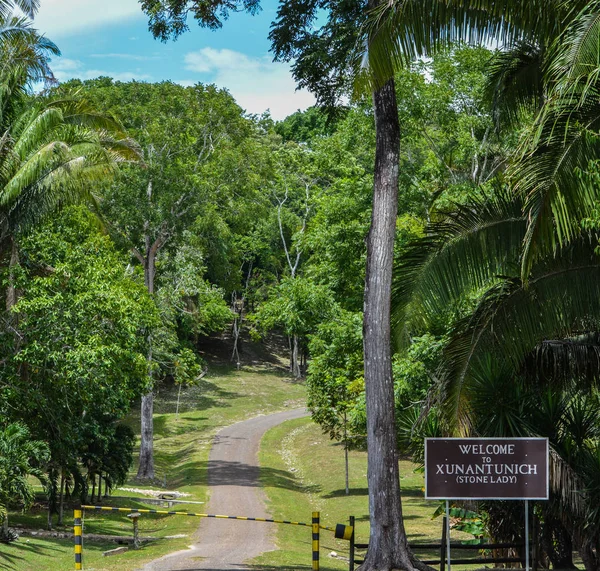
(78,539)
(315,541)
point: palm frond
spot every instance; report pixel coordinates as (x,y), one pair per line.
(28,7)
(548,176)
(575,60)
(401,30)
(467,250)
(515,82)
(559,361)
(562,299)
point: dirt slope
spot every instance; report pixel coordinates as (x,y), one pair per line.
(233,480)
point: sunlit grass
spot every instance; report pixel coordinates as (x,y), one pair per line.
(225,396)
(312,477)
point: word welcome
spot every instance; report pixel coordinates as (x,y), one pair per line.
(493,449)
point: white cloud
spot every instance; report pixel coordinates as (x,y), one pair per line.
(64,17)
(256,83)
(65,68)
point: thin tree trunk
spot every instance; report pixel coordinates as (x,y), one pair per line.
(346,453)
(388,546)
(61,498)
(178,397)
(99,494)
(146,467)
(11,290)
(93,487)
(295,358)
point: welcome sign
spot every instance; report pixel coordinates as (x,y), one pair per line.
(486,468)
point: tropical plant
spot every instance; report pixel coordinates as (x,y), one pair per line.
(20,457)
(52,150)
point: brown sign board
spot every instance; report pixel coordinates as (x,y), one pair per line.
(486,468)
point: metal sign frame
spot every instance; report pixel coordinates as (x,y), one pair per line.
(518,498)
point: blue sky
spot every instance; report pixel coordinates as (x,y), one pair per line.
(111,37)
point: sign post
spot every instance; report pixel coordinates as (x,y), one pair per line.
(487,469)
(448,535)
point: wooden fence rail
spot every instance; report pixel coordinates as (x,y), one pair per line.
(441,546)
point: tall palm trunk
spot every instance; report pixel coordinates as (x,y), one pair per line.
(388,546)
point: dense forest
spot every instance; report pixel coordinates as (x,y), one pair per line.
(137,219)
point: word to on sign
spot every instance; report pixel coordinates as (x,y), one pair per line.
(486,468)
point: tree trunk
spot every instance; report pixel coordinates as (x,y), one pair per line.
(93,487)
(296,358)
(11,290)
(558,545)
(590,557)
(146,467)
(346,453)
(61,498)
(388,546)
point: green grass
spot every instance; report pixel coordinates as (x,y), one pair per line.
(303,471)
(182,445)
(313,478)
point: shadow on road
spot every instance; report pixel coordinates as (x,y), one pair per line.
(224,473)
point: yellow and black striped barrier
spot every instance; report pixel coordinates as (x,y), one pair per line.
(315,540)
(344,531)
(78,539)
(315,525)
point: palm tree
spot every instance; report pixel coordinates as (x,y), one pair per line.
(20,457)
(542,329)
(549,64)
(547,289)
(28,7)
(52,150)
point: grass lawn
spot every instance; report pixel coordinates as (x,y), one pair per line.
(225,396)
(315,470)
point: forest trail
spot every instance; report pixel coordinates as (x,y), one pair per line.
(233,478)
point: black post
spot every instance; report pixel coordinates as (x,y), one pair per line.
(443,546)
(351,560)
(534,540)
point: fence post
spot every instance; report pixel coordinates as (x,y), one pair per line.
(315,540)
(443,546)
(351,560)
(78,539)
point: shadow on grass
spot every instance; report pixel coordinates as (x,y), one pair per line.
(224,473)
(202,396)
(341,493)
(13,558)
(194,567)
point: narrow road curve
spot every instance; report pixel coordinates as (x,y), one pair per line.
(234,490)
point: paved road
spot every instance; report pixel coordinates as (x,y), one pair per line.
(234,490)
